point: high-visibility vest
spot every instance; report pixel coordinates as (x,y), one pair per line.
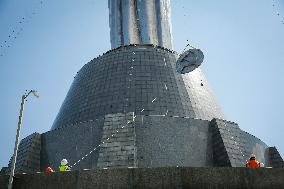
(63,168)
(253,164)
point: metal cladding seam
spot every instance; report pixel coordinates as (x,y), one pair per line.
(140,22)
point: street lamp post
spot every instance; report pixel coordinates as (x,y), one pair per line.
(24,97)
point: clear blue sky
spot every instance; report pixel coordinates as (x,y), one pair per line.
(243,43)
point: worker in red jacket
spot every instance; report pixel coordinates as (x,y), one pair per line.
(48,170)
(252,162)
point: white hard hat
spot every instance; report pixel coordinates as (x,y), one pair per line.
(64,162)
(252,156)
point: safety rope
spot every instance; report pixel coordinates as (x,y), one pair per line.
(188,45)
(97,147)
(115,133)
(128,122)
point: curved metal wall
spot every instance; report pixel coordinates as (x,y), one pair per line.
(140,79)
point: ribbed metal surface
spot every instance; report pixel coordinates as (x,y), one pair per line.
(28,159)
(141,79)
(140,22)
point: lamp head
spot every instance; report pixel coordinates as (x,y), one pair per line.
(35,93)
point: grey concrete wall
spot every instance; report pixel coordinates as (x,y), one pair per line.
(73,143)
(129,140)
(274,158)
(164,141)
(28,158)
(118,147)
(122,140)
(232,146)
(253,145)
(191,178)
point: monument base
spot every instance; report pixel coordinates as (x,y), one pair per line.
(175,177)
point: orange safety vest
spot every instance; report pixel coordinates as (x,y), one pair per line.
(253,164)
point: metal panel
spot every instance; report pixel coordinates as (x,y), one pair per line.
(140,22)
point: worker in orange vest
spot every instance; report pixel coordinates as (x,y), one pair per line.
(252,162)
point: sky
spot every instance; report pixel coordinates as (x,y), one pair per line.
(47,42)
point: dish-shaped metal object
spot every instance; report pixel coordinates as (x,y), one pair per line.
(189,60)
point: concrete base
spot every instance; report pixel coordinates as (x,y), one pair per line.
(205,178)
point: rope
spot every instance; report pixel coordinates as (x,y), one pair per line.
(188,45)
(116,131)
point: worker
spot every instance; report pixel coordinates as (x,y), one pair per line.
(48,170)
(252,162)
(64,166)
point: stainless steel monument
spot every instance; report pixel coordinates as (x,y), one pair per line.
(131,108)
(140,22)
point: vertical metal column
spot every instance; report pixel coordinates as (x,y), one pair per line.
(140,22)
